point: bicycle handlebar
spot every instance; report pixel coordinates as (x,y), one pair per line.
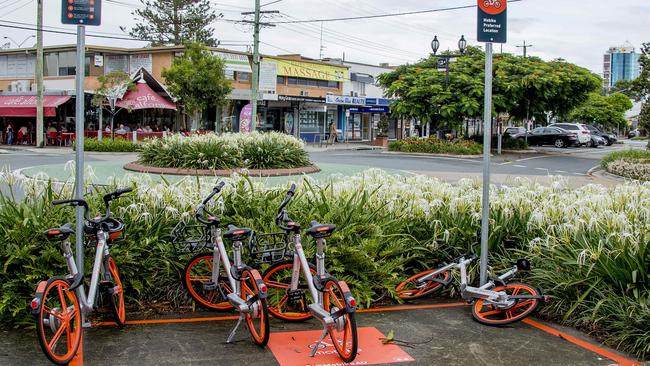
(74,203)
(201,210)
(283,216)
(107,199)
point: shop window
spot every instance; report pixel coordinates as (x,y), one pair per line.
(292,81)
(51,64)
(280,80)
(67,63)
(243,76)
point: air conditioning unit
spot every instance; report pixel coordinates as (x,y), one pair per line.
(304,93)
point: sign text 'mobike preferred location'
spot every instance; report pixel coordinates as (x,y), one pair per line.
(492,21)
(81,12)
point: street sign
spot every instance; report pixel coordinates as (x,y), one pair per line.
(492,22)
(81,12)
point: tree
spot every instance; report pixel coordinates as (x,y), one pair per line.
(174,22)
(197,80)
(522,88)
(606,111)
(112,87)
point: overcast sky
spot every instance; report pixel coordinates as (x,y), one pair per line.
(577,30)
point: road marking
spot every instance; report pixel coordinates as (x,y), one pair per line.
(581,174)
(533,158)
(519,166)
(560,171)
(544,169)
(622,361)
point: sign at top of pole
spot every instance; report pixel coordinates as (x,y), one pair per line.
(81,12)
(492,21)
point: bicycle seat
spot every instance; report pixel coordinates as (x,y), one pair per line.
(59,233)
(237,233)
(318,230)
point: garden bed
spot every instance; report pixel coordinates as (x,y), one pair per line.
(228,151)
(136,167)
(589,247)
(107,144)
(633,164)
(433,145)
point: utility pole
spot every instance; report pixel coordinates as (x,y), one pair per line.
(321,42)
(525,47)
(39,75)
(256,56)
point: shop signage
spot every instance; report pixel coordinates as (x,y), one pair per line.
(342,99)
(81,12)
(291,98)
(99,60)
(138,61)
(369,109)
(245,118)
(492,21)
(310,70)
(268,80)
(234,61)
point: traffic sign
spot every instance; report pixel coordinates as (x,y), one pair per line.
(81,12)
(492,21)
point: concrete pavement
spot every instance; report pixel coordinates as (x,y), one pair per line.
(435,336)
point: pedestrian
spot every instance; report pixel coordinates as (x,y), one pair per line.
(333,133)
(10,134)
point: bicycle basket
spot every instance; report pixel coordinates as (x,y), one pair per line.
(189,238)
(268,248)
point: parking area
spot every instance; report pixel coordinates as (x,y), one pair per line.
(438,333)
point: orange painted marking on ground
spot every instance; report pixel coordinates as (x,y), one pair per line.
(78,359)
(622,361)
(293,348)
(411,307)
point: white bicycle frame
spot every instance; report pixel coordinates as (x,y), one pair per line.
(87,303)
(497,298)
(300,263)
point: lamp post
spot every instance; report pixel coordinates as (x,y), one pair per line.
(435,45)
(21,43)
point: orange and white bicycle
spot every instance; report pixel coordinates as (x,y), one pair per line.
(60,301)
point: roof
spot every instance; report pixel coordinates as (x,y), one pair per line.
(117,50)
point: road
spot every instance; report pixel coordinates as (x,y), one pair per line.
(573,163)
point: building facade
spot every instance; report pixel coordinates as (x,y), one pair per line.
(620,63)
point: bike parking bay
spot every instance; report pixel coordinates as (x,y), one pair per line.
(435,334)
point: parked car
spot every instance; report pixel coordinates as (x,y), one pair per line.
(515,132)
(634,133)
(597,141)
(584,136)
(555,136)
(609,138)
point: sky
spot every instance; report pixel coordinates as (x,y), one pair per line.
(579,31)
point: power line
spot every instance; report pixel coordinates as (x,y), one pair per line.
(18,8)
(384,15)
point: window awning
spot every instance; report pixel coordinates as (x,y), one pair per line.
(25,105)
(234,61)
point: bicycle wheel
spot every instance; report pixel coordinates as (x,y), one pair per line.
(258,318)
(488,314)
(278,279)
(198,274)
(344,333)
(409,290)
(58,323)
(116,293)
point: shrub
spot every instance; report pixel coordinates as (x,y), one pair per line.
(107,144)
(507,142)
(628,154)
(228,151)
(434,145)
(634,164)
(589,246)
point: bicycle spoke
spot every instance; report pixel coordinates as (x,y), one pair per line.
(48,310)
(64,306)
(200,278)
(275,284)
(57,335)
(523,304)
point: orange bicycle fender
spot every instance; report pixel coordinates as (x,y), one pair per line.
(261,286)
(350,301)
(37,301)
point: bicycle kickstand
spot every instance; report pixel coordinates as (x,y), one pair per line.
(234,329)
(322,336)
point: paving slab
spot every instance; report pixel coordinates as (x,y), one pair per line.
(444,335)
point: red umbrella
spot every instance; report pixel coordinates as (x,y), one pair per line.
(143,97)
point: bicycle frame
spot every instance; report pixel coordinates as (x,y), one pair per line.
(219,255)
(499,298)
(87,302)
(300,263)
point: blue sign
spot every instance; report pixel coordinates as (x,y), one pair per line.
(377,101)
(369,110)
(342,99)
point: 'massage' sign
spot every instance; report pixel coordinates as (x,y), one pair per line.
(492,21)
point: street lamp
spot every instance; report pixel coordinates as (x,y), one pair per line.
(21,43)
(435,44)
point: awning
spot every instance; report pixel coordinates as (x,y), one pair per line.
(234,61)
(142,97)
(25,105)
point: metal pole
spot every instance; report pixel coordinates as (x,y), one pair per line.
(100,117)
(487,127)
(256,64)
(498,137)
(79,133)
(39,75)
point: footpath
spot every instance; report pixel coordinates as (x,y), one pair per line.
(435,333)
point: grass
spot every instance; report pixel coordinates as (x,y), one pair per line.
(227,151)
(433,145)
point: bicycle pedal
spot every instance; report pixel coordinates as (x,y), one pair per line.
(210,286)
